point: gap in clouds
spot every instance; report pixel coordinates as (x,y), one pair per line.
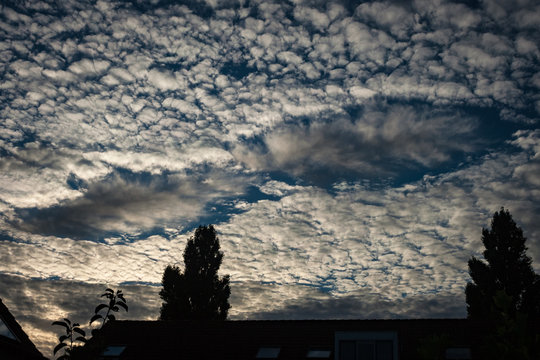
(221,210)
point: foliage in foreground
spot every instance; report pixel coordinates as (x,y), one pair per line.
(116,301)
(75,336)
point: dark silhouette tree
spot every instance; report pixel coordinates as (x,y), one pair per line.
(510,336)
(507,269)
(198,292)
(74,334)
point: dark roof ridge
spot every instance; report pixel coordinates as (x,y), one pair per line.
(296,320)
(17,330)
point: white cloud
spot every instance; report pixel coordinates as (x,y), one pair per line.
(59,76)
(311,16)
(527,47)
(88,67)
(163,80)
(117,76)
(527,18)
(396,18)
(361,93)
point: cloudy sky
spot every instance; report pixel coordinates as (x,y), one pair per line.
(348,153)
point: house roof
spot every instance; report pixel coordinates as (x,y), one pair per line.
(14,343)
(245,339)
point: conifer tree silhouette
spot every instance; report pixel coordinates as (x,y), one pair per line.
(198,292)
(507,268)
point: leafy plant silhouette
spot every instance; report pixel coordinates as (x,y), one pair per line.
(73,334)
(116,301)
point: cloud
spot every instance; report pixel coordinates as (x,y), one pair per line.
(162,80)
(360,305)
(127,202)
(86,67)
(34,174)
(378,142)
(399,20)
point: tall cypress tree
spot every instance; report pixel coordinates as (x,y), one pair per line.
(507,268)
(198,292)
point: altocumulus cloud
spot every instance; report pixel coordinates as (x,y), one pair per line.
(348,153)
(381,141)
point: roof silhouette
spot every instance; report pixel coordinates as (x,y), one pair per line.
(251,339)
(14,343)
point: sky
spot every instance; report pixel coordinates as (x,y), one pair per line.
(348,153)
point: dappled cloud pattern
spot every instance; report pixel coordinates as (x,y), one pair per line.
(348,153)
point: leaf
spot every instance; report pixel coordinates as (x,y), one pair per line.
(61,323)
(95,317)
(109,293)
(115,308)
(80,331)
(111,317)
(99,307)
(119,303)
(81,339)
(58,347)
(62,338)
(121,297)
(67,321)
